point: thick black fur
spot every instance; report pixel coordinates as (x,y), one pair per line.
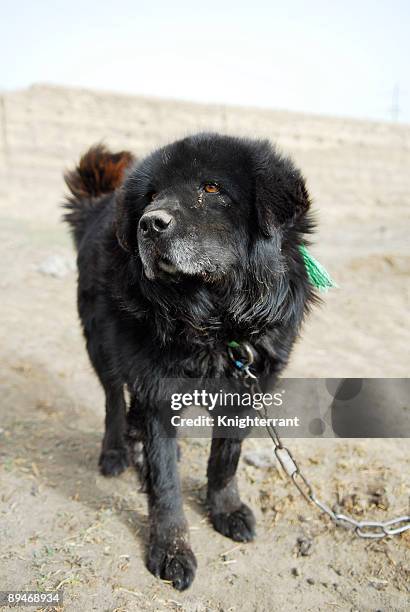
(156,305)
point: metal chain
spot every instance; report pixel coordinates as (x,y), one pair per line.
(363,529)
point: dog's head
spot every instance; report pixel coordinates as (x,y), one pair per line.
(201,206)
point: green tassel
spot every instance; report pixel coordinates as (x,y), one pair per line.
(234,344)
(317,274)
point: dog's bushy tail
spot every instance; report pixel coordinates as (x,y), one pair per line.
(98,173)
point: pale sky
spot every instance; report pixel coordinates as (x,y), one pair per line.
(333,57)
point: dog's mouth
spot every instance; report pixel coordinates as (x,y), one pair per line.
(165,265)
(158,263)
(173,264)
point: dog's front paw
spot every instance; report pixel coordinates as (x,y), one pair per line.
(173,561)
(113,462)
(238,525)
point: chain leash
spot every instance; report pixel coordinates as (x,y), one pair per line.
(363,529)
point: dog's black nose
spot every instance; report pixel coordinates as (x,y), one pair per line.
(155,222)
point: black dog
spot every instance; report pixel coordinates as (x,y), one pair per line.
(178,254)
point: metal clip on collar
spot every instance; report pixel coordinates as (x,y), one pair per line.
(242,357)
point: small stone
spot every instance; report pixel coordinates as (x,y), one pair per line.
(310,581)
(56,266)
(304,546)
(295,571)
(378,584)
(260,458)
(34,490)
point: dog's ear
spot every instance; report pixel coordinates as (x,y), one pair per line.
(281,196)
(123,222)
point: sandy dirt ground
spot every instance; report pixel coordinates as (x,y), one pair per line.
(62,525)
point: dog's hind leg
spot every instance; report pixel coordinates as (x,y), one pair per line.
(228,514)
(114,453)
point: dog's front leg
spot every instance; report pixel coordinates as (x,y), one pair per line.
(169,553)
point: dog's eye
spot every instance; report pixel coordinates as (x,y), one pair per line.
(211,188)
(152,195)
